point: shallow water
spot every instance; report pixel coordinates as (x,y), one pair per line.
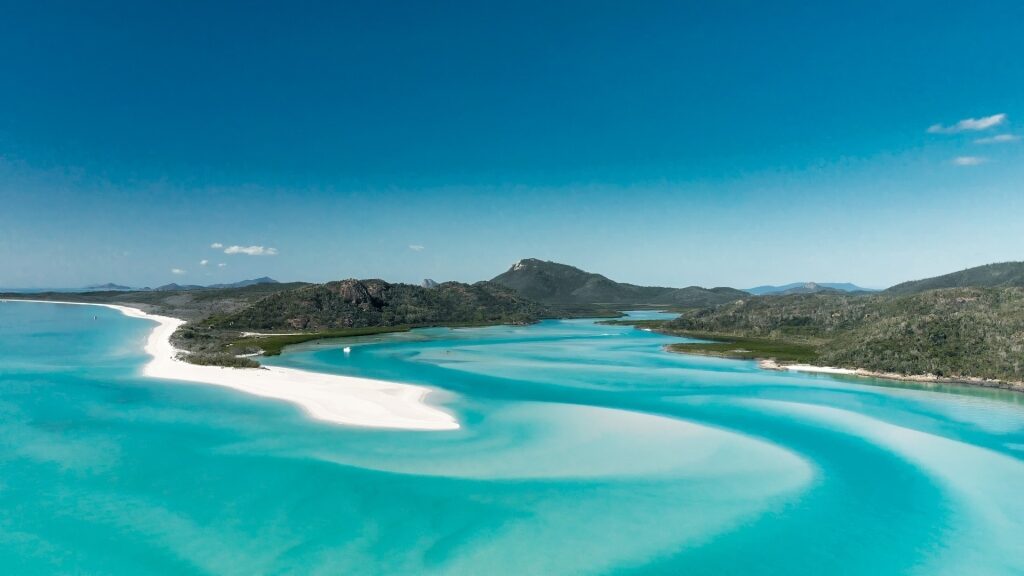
(584,449)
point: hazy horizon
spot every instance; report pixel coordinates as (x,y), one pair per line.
(674,146)
(176,279)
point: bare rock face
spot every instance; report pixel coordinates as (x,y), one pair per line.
(358,293)
(348,290)
(429,283)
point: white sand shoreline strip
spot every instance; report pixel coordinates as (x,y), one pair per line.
(330,397)
(864,373)
(819,369)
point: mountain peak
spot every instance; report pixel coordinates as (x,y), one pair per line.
(526,263)
(555,283)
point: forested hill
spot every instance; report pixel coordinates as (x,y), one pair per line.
(987,276)
(560,284)
(365,303)
(953,332)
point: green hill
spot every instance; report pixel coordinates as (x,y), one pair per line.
(366,303)
(987,276)
(560,284)
(952,332)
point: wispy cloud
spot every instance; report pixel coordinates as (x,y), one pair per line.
(998,139)
(251,250)
(969,125)
(216,245)
(221,265)
(177,271)
(416,247)
(969,160)
(204,262)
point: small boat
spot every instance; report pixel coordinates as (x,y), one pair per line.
(346,349)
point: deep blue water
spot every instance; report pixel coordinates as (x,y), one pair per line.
(585,449)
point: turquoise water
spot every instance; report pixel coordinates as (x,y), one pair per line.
(585,449)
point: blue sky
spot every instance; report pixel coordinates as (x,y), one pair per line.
(676,143)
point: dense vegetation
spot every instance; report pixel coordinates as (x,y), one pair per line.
(988,276)
(954,333)
(559,284)
(365,303)
(750,349)
(225,359)
(350,308)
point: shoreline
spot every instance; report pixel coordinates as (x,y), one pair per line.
(769,364)
(346,400)
(772,364)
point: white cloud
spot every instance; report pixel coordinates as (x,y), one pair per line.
(969,125)
(177,271)
(204,262)
(251,250)
(416,247)
(216,245)
(998,139)
(969,160)
(221,265)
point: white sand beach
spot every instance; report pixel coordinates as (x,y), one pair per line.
(818,369)
(333,398)
(768,364)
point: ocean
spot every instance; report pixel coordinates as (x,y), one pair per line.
(584,449)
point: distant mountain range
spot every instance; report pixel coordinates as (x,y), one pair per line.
(1004,274)
(174,287)
(560,284)
(807,288)
(109,286)
(244,283)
